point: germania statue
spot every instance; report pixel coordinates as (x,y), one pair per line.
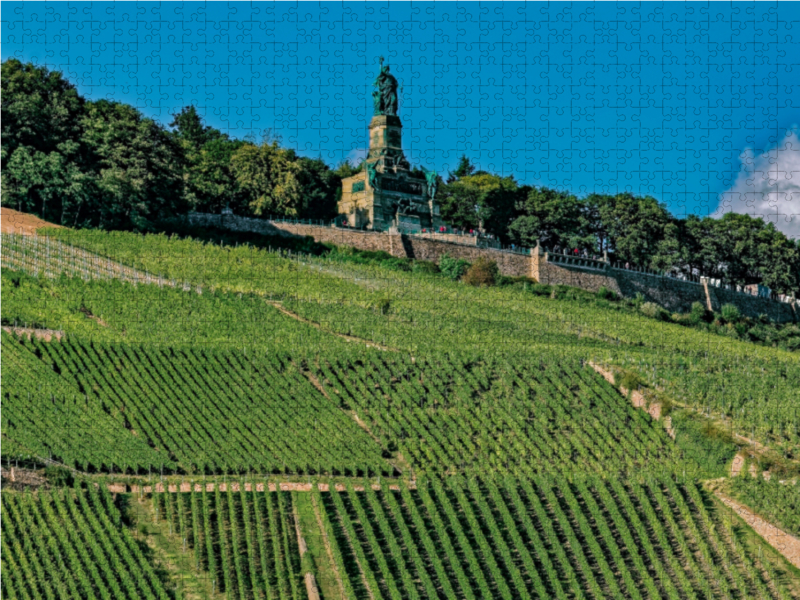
(385,97)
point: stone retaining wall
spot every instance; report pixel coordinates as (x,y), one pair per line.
(673,294)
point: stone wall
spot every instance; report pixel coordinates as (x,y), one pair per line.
(363,240)
(673,294)
(509,263)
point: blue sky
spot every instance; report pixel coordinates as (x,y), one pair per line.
(695,104)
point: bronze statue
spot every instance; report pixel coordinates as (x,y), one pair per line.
(430,179)
(372,174)
(385,97)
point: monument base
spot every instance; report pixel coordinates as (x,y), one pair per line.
(404,222)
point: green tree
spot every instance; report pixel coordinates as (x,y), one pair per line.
(188,125)
(345,169)
(549,216)
(49,184)
(465,168)
(480,201)
(636,226)
(42,158)
(40,110)
(269,177)
(318,187)
(594,230)
(137,167)
(210,182)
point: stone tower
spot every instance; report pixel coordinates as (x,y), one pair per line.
(386,194)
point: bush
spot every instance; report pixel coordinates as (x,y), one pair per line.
(731,313)
(654,311)
(483,272)
(606,294)
(516,282)
(396,264)
(541,289)
(628,380)
(58,476)
(424,266)
(452,267)
(384,305)
(700,314)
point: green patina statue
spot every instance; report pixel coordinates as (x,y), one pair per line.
(385,97)
(430,179)
(372,174)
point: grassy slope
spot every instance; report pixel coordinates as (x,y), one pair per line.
(754,386)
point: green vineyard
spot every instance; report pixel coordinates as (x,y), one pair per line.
(244,542)
(72,544)
(253,425)
(543,538)
(457,415)
(776,500)
(205,411)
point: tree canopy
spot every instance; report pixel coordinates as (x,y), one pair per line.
(104,164)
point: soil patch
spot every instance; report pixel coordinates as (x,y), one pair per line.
(787,545)
(737,464)
(13,221)
(637,398)
(349,338)
(17,478)
(40,334)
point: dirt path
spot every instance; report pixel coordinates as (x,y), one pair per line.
(40,334)
(737,464)
(637,398)
(311,582)
(316,383)
(285,486)
(349,338)
(787,545)
(13,221)
(327,543)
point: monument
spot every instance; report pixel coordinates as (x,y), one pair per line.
(386,194)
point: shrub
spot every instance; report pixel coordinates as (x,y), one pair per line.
(397,264)
(627,380)
(58,476)
(424,266)
(384,305)
(483,272)
(654,311)
(731,313)
(638,299)
(700,314)
(606,294)
(541,289)
(452,267)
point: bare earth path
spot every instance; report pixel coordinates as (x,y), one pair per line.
(787,545)
(349,338)
(39,334)
(311,583)
(327,543)
(13,221)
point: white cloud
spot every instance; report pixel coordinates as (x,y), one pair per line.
(356,155)
(768,186)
